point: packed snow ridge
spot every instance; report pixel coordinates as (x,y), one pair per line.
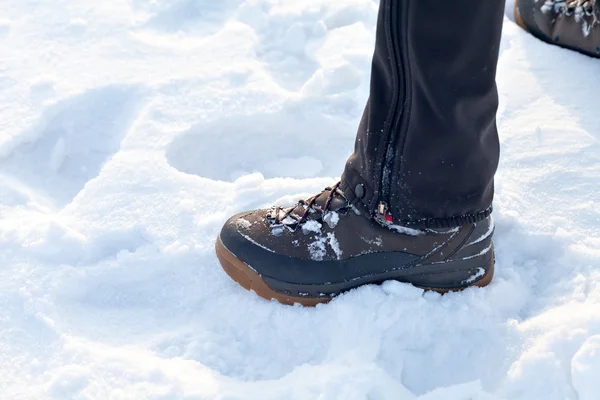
(130,130)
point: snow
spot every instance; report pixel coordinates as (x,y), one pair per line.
(332,218)
(249,238)
(482,252)
(311,226)
(243,223)
(584,368)
(335,245)
(405,230)
(486,235)
(131,130)
(480,273)
(318,247)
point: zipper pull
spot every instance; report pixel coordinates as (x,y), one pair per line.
(382,209)
(383,216)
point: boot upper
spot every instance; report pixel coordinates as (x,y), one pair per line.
(332,242)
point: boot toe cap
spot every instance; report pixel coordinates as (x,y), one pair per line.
(248,237)
(235,234)
(241,235)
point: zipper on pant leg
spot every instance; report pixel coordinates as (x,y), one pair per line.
(398,23)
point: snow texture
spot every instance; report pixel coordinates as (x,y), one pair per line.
(574,10)
(480,273)
(318,247)
(486,235)
(335,245)
(130,130)
(405,231)
(311,226)
(332,218)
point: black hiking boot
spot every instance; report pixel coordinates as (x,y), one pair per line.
(573,24)
(323,246)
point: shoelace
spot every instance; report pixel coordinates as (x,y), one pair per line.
(308,206)
(576,8)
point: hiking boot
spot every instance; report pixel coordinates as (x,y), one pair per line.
(323,246)
(573,24)
(415,198)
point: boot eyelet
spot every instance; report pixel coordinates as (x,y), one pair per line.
(359,191)
(343,213)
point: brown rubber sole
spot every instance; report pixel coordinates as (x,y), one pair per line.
(250,280)
(518,18)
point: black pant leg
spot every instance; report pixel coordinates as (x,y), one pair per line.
(427,147)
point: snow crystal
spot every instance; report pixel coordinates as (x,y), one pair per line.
(335,245)
(378,241)
(482,252)
(311,226)
(317,248)
(332,218)
(444,231)
(480,272)
(486,235)
(586,28)
(405,231)
(243,223)
(248,238)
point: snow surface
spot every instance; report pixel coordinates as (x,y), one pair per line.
(131,130)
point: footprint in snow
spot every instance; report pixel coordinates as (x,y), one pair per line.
(71,141)
(203,17)
(277,145)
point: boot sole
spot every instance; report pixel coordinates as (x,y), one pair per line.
(518,18)
(250,280)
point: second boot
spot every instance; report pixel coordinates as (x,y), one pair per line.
(573,24)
